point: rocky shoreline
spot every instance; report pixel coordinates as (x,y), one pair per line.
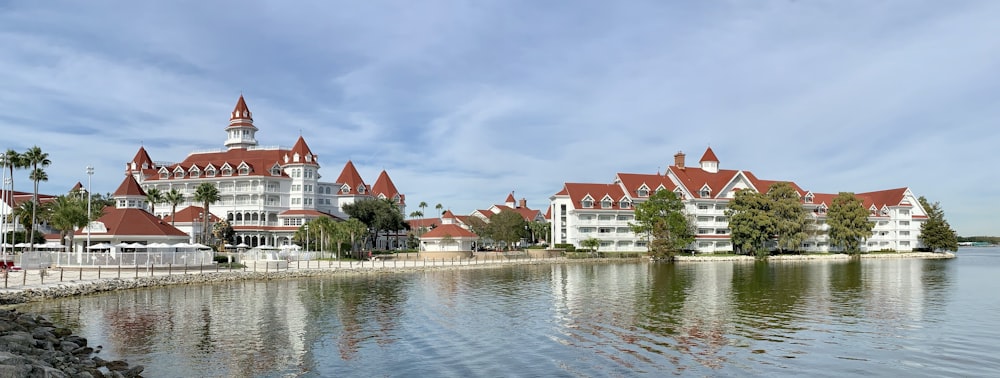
(32,346)
(821,256)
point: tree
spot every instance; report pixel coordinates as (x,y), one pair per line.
(207,194)
(750,223)
(661,218)
(67,213)
(13,160)
(22,215)
(154,196)
(792,224)
(416,214)
(223,233)
(539,231)
(935,233)
(480,227)
(355,230)
(593,244)
(507,226)
(36,176)
(439,208)
(174,197)
(848,223)
(379,215)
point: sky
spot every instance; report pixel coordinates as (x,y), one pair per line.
(462,102)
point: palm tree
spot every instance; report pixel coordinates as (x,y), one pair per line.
(13,160)
(153,196)
(207,194)
(174,197)
(416,214)
(22,215)
(439,207)
(36,176)
(67,213)
(423,207)
(34,157)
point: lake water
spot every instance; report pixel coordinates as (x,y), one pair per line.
(888,317)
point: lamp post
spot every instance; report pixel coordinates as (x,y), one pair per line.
(90,173)
(306,227)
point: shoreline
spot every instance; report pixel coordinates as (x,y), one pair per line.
(87,282)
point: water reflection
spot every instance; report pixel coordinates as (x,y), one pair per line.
(790,318)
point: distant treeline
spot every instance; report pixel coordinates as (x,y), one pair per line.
(986,239)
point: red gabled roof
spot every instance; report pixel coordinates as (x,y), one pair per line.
(452,230)
(76,188)
(190,214)
(510,198)
(141,160)
(384,186)
(889,197)
(694,179)
(15,198)
(548,213)
(709,156)
(129,187)
(304,153)
(634,181)
(133,222)
(578,191)
(304,212)
(350,176)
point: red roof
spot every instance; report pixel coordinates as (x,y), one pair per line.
(141,161)
(452,230)
(634,181)
(597,192)
(133,222)
(241,115)
(423,222)
(889,197)
(307,213)
(190,214)
(301,149)
(510,198)
(129,187)
(695,179)
(709,156)
(384,186)
(350,176)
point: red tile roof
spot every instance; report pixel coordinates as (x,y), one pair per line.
(578,191)
(129,187)
(133,222)
(141,160)
(384,186)
(452,230)
(510,198)
(634,181)
(350,176)
(423,222)
(301,149)
(694,179)
(305,212)
(241,115)
(709,156)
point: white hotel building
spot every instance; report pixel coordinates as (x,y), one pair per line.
(585,210)
(267,192)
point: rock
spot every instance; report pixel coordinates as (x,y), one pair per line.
(134,371)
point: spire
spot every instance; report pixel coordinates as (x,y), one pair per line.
(140,161)
(709,163)
(350,177)
(130,190)
(301,154)
(241,129)
(384,186)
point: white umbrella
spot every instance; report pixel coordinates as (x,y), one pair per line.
(200,246)
(6,245)
(22,245)
(227,245)
(264,246)
(136,245)
(100,246)
(292,246)
(242,245)
(122,245)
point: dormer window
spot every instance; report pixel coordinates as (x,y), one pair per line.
(345,189)
(606,203)
(194,172)
(809,198)
(275,170)
(679,193)
(179,172)
(624,204)
(164,174)
(227,171)
(244,171)
(642,192)
(885,211)
(587,204)
(705,192)
(361,189)
(210,172)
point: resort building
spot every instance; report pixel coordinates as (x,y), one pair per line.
(267,192)
(604,211)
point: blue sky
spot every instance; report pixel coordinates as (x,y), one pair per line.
(464,101)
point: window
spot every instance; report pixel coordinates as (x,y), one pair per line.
(226,171)
(643,192)
(720,206)
(720,219)
(586,230)
(296,188)
(296,201)
(605,243)
(704,231)
(606,204)
(906,243)
(605,230)
(244,170)
(809,198)
(904,233)
(702,207)
(623,230)
(904,212)
(195,172)
(624,204)
(345,189)
(309,188)
(361,189)
(704,244)
(178,173)
(722,231)
(210,172)
(309,201)
(164,174)
(606,217)
(704,219)
(276,171)
(904,223)
(624,217)
(587,204)
(705,193)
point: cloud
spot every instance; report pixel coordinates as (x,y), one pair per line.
(462,102)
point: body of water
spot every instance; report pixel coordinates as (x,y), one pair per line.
(886,317)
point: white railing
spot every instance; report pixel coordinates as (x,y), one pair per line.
(156,258)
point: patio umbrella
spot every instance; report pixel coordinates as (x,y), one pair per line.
(242,245)
(100,246)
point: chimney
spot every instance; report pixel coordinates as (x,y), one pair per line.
(679,160)
(523,203)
